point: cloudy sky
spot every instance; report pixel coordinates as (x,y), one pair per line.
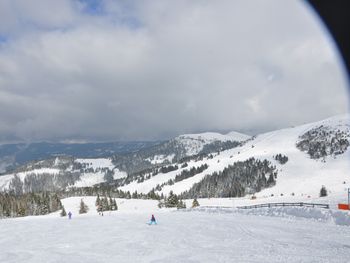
(138,70)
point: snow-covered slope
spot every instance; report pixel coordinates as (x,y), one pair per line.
(323,158)
(85,172)
(300,176)
(190,236)
(14,155)
(96,171)
(194,143)
(208,137)
(60,173)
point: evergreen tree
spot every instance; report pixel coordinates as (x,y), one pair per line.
(181,205)
(271,180)
(115,206)
(98,201)
(172,200)
(323,191)
(105,204)
(21,211)
(108,177)
(98,204)
(161,204)
(83,207)
(195,203)
(63,212)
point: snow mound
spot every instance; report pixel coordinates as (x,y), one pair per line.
(316,214)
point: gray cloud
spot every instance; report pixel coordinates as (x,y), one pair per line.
(155,69)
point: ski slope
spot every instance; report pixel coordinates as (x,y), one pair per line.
(301,176)
(194,143)
(189,236)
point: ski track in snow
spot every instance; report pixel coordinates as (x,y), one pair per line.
(190,236)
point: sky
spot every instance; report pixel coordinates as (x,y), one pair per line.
(89,70)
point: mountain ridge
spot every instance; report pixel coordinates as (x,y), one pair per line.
(165,167)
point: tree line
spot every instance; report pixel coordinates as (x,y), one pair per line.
(236,180)
(12,205)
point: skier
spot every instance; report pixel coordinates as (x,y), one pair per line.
(153,220)
(70,215)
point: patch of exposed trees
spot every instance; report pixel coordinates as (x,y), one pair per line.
(105,204)
(236,180)
(182,176)
(12,205)
(282,159)
(323,141)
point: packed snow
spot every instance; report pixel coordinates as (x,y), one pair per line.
(198,235)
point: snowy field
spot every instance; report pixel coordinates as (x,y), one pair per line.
(203,235)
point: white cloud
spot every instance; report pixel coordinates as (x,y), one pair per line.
(156,69)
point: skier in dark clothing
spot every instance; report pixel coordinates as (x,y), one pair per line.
(153,220)
(70,215)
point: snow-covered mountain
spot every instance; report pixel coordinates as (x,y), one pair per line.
(302,174)
(177,149)
(194,143)
(15,155)
(60,173)
(293,161)
(57,173)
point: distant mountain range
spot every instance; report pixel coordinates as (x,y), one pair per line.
(14,155)
(292,161)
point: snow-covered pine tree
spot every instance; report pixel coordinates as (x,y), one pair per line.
(115,206)
(44,208)
(134,195)
(98,201)
(21,211)
(83,207)
(181,205)
(271,180)
(112,204)
(63,212)
(161,203)
(172,200)
(323,191)
(195,203)
(98,204)
(105,204)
